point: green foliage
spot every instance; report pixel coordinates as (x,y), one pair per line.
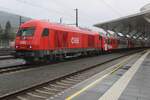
(1,32)
(7,33)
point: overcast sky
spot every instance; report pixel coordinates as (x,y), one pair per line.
(90,11)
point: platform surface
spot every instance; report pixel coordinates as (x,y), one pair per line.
(139,87)
(131,84)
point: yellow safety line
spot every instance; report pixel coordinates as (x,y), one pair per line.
(98,80)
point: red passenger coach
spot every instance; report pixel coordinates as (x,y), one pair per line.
(39,39)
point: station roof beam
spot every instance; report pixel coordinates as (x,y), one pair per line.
(134,25)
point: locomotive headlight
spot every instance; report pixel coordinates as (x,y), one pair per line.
(17,46)
(30,47)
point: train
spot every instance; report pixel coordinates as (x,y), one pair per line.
(38,40)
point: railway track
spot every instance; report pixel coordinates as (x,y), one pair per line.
(4,52)
(7,57)
(15,68)
(56,87)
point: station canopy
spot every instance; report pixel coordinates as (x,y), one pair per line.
(136,25)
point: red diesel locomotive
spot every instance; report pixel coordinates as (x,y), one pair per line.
(40,40)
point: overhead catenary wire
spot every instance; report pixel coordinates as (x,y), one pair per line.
(115,10)
(62,13)
(70,16)
(45,8)
(70,7)
(112,8)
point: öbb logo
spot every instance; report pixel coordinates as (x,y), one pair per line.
(75,40)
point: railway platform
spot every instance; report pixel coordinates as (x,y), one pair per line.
(131,81)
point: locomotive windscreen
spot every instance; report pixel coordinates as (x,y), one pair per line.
(26,32)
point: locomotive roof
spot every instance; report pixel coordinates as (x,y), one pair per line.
(57,26)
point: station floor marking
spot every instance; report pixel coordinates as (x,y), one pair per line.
(98,80)
(115,91)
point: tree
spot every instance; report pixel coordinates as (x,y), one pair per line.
(7,31)
(7,34)
(1,32)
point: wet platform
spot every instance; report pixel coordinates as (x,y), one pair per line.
(131,82)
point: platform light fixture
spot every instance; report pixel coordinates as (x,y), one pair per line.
(111,32)
(128,36)
(134,37)
(120,34)
(140,38)
(146,38)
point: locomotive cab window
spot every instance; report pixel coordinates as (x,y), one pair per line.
(26,31)
(45,32)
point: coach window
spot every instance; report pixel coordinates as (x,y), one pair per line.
(45,32)
(108,41)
